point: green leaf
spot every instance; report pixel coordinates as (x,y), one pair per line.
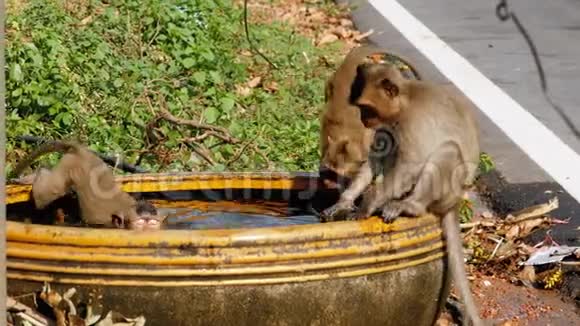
(235,128)
(217,78)
(208,56)
(118,82)
(211,114)
(199,77)
(16,72)
(227,104)
(188,62)
(17,92)
(67,118)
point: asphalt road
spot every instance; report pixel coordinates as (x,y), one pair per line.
(496,49)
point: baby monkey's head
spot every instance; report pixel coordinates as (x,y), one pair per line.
(142,216)
(343,156)
(377,90)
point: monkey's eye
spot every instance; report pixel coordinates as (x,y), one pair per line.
(140,221)
(367,112)
(153,222)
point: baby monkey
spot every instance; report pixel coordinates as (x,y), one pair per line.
(435,160)
(344,140)
(101,200)
(147,218)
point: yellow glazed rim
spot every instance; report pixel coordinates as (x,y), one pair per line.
(216,257)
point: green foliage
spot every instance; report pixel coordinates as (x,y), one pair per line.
(485,163)
(100,71)
(465,211)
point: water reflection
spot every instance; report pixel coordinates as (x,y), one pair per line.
(201,215)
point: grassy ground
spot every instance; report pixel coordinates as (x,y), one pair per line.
(171,84)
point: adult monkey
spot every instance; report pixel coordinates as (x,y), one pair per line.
(436,158)
(101,200)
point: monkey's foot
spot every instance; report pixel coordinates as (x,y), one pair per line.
(337,211)
(394,209)
(391,211)
(357,215)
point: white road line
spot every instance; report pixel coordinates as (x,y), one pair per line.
(537,141)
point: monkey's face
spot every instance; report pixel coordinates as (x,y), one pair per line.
(375,91)
(146,222)
(342,160)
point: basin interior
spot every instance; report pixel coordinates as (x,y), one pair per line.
(202,209)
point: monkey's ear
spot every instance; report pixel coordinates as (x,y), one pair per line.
(329,139)
(118,221)
(390,88)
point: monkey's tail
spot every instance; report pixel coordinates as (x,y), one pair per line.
(455,260)
(48,147)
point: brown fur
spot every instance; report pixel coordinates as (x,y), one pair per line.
(101,200)
(437,157)
(344,141)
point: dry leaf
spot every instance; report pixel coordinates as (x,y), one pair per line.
(327,38)
(528,276)
(255,82)
(513,232)
(271,86)
(86,20)
(533,211)
(317,16)
(362,36)
(346,23)
(341,32)
(246,53)
(243,90)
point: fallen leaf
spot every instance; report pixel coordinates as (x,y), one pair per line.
(341,32)
(513,232)
(317,16)
(364,35)
(528,276)
(327,38)
(533,211)
(246,53)
(243,90)
(85,21)
(271,86)
(486,214)
(254,82)
(346,23)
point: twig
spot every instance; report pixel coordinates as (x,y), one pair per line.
(475,224)
(198,149)
(165,114)
(124,166)
(246,28)
(241,150)
(495,250)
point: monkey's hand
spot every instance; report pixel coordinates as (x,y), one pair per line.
(339,210)
(391,211)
